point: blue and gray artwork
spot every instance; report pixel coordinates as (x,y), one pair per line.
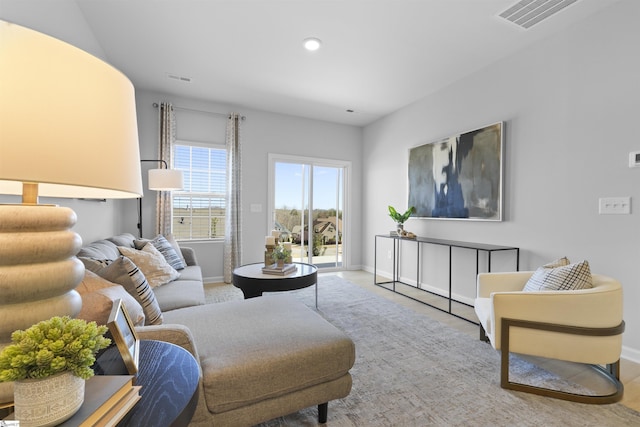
(458,177)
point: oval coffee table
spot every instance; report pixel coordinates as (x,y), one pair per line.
(253,282)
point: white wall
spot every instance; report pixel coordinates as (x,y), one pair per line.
(262,133)
(571,105)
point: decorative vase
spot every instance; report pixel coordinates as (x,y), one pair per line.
(280,263)
(400,229)
(48,401)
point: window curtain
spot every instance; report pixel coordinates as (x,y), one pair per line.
(167,139)
(233,217)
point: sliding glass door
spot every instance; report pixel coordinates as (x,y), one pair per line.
(308,207)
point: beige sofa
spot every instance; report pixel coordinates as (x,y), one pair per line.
(260,358)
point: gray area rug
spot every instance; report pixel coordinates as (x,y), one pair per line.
(411,370)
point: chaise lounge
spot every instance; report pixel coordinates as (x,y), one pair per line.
(260,358)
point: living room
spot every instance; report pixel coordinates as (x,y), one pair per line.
(569,103)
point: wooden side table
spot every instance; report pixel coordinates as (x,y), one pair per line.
(169,376)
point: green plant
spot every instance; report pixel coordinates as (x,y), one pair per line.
(280,252)
(51,346)
(400,218)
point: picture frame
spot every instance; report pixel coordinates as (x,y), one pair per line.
(124,335)
(460,176)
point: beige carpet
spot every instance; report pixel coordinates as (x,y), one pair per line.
(411,370)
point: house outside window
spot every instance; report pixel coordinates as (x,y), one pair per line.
(199,209)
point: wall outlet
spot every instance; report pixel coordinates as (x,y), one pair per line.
(614,205)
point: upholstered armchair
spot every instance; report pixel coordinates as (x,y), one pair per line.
(583,326)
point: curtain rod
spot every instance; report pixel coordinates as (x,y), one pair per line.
(156,105)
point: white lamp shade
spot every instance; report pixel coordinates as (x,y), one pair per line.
(67,120)
(165,179)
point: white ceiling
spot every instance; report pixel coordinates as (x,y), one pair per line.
(377,55)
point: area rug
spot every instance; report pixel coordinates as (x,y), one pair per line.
(411,370)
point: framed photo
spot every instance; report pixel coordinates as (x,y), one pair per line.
(459,177)
(124,335)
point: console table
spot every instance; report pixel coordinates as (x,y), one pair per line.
(418,241)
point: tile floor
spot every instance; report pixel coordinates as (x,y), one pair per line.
(629,371)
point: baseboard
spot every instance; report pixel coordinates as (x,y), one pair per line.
(630,354)
(217,279)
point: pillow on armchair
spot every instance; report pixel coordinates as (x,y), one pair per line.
(561,277)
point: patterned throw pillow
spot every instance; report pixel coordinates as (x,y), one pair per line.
(563,278)
(560,262)
(98,295)
(166,248)
(151,262)
(124,272)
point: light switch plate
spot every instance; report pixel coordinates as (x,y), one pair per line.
(614,205)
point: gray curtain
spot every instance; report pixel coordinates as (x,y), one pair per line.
(233,218)
(167,138)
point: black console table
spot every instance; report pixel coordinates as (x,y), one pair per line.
(488,248)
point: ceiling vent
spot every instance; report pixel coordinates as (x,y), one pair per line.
(179,78)
(527,13)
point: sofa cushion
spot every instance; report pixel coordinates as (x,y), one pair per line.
(100,250)
(277,356)
(166,249)
(152,264)
(124,272)
(124,239)
(179,294)
(98,295)
(563,278)
(192,272)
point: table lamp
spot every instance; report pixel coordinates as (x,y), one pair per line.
(68,129)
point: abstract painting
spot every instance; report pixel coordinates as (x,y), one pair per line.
(459,177)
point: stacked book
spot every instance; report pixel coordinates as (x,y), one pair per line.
(280,271)
(107,399)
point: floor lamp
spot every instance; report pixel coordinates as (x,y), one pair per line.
(160,180)
(68,129)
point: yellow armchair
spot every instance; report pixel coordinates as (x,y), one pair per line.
(582,326)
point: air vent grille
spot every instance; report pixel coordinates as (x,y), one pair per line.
(179,78)
(527,13)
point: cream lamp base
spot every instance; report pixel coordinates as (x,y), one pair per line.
(38,267)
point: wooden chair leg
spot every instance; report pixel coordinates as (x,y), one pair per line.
(611,373)
(483,335)
(323,409)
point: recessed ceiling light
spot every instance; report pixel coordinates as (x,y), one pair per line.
(312,43)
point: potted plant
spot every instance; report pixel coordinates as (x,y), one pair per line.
(280,254)
(59,352)
(400,218)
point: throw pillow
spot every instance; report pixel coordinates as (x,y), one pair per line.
(93,264)
(98,295)
(165,248)
(176,247)
(563,278)
(560,262)
(124,272)
(151,262)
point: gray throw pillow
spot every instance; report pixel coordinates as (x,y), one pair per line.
(124,272)
(166,249)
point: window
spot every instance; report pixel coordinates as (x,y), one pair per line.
(199,209)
